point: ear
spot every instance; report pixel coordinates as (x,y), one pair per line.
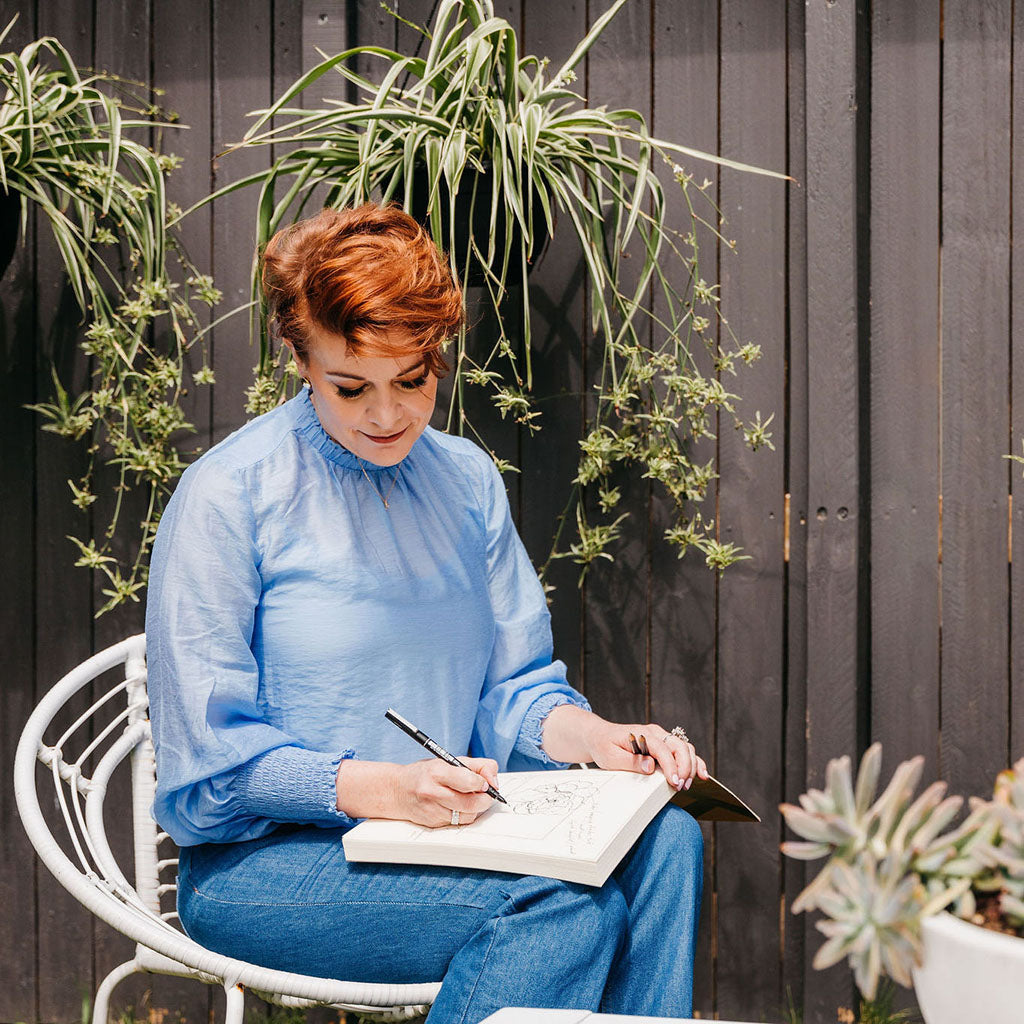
(301,363)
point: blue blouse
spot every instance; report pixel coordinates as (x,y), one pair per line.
(288,609)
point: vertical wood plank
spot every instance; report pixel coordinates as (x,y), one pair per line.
(122,46)
(64,593)
(616,667)
(904,382)
(374,26)
(549,459)
(904,386)
(410,40)
(683,592)
(182,54)
(975,396)
(1016,702)
(751,499)
(241,82)
(324,28)
(796,486)
(483,423)
(19,927)
(181,68)
(834,515)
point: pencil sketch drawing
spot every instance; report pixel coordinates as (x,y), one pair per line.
(560,811)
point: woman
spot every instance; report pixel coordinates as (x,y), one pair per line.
(335,557)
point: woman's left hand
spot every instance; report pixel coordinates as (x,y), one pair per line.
(572,733)
(677,758)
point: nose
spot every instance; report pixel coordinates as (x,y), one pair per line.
(385,414)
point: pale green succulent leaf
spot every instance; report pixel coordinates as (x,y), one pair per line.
(867,778)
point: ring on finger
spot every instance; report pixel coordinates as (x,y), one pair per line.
(680,733)
(455,817)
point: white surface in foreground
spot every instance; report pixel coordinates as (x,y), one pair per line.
(521,1015)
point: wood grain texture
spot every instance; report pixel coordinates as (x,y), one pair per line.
(548,460)
(242,48)
(647,643)
(616,670)
(833,478)
(504,438)
(794,953)
(410,40)
(122,46)
(684,592)
(64,594)
(18,532)
(182,58)
(905,382)
(182,54)
(904,386)
(975,395)
(751,505)
(1016,696)
(325,30)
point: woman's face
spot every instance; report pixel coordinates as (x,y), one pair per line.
(375,405)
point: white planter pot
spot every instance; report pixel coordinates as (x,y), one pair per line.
(970,975)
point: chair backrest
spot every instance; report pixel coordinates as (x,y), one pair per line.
(81,749)
(82,757)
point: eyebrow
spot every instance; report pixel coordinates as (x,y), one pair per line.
(356,376)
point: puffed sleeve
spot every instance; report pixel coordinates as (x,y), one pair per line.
(523,683)
(224,774)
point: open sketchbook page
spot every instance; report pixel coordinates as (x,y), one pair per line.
(569,818)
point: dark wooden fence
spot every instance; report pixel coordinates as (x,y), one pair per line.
(881,286)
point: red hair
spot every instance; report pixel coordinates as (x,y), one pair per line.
(362,274)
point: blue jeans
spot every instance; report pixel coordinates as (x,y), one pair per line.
(291,901)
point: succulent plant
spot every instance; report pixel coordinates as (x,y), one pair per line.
(896,859)
(1003,851)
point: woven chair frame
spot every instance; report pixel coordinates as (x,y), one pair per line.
(93,876)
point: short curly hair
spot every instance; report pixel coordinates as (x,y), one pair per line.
(364,274)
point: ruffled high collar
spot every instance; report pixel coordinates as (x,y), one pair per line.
(312,429)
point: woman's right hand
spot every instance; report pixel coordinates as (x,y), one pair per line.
(429,790)
(425,792)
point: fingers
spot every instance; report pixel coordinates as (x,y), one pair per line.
(485,766)
(651,745)
(441,788)
(674,762)
(615,751)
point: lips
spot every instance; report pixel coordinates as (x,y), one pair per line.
(387,439)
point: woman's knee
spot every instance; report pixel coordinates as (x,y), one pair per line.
(676,834)
(593,920)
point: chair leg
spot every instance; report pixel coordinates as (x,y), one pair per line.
(101,1009)
(236,1004)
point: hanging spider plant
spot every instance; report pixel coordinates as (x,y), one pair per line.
(65,151)
(483,125)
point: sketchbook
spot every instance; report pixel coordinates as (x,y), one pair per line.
(573,825)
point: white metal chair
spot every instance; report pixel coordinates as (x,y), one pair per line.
(115,728)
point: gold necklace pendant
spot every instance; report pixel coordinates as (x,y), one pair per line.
(383,498)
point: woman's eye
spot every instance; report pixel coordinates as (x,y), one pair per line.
(350,392)
(412,385)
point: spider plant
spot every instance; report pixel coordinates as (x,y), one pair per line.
(66,150)
(490,127)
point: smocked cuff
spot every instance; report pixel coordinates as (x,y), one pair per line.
(293,784)
(531,732)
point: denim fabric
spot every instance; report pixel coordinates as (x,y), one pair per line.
(289,900)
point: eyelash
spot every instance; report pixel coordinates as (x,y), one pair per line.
(407,385)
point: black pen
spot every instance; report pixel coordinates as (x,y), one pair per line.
(435,748)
